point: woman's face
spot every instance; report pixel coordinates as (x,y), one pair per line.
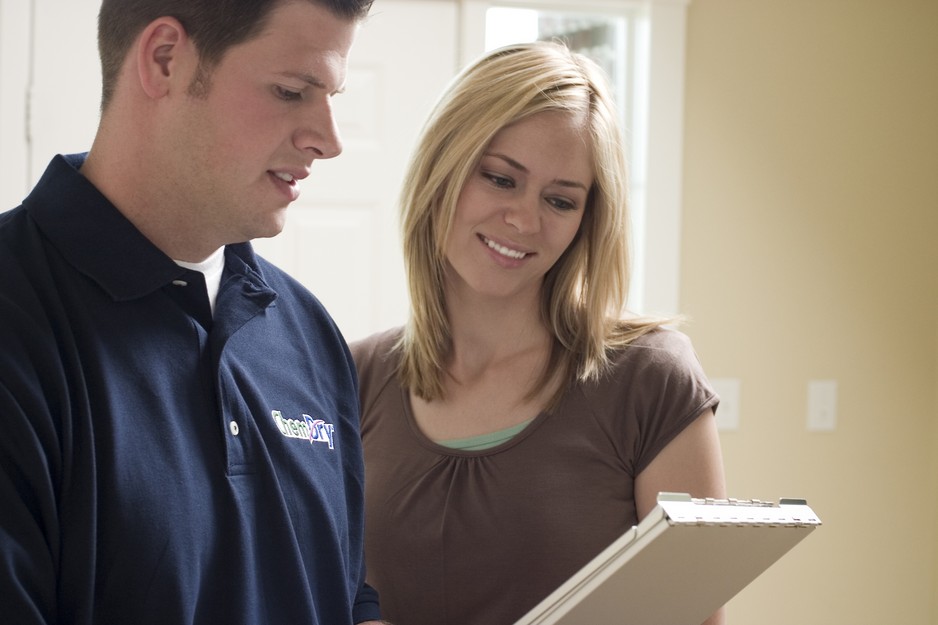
(521,207)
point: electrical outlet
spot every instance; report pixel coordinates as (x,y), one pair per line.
(822,405)
(728,411)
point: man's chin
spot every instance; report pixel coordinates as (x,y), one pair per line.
(267,234)
(273,226)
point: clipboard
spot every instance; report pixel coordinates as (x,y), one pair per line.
(680,564)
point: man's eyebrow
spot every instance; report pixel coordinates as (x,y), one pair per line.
(516,165)
(312,80)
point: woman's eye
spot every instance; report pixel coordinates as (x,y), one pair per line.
(561,203)
(499,181)
(286,94)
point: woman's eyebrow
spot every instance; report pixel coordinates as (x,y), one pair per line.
(516,165)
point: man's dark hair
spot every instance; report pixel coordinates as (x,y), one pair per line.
(213,25)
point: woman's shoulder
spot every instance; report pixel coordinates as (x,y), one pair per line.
(661,344)
(377,343)
(376,350)
(657,371)
(376,362)
(661,357)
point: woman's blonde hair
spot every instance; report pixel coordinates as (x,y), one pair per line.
(584,293)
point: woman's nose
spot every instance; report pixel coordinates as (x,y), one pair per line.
(523,214)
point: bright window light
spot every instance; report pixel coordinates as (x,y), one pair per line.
(504,26)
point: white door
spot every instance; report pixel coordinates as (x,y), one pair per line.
(50,85)
(341,238)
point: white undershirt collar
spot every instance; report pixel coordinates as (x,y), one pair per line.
(212,268)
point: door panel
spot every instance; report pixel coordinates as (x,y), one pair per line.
(341,238)
(65,94)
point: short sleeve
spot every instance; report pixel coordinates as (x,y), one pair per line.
(660,388)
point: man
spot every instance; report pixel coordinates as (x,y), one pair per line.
(179,418)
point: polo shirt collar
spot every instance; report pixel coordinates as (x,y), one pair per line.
(98,240)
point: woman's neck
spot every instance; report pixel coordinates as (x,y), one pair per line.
(493,328)
(475,351)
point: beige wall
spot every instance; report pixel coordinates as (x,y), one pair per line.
(809,252)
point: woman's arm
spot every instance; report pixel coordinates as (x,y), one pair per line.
(691,463)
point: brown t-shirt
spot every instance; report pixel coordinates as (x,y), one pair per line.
(480,537)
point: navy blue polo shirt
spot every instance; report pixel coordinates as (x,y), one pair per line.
(158,465)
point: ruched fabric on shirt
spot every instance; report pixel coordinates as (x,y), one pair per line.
(480,537)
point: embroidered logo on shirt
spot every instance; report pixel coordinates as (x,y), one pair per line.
(310,429)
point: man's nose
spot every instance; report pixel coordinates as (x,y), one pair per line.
(318,133)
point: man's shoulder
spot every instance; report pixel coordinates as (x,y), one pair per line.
(10,215)
(13,224)
(21,256)
(28,296)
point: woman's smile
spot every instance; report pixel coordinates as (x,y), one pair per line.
(503,250)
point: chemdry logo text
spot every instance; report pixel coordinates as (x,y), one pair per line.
(307,428)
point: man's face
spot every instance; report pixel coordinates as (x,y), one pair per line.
(239,149)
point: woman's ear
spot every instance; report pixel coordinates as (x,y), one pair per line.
(162,56)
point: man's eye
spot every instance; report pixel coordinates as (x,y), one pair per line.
(286,94)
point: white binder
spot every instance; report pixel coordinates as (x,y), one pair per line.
(681,563)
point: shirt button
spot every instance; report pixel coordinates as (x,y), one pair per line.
(233,426)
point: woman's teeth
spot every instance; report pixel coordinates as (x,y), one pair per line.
(504,251)
(283,176)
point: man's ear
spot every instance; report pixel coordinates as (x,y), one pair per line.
(163,50)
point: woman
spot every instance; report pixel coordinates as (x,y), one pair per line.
(518,424)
